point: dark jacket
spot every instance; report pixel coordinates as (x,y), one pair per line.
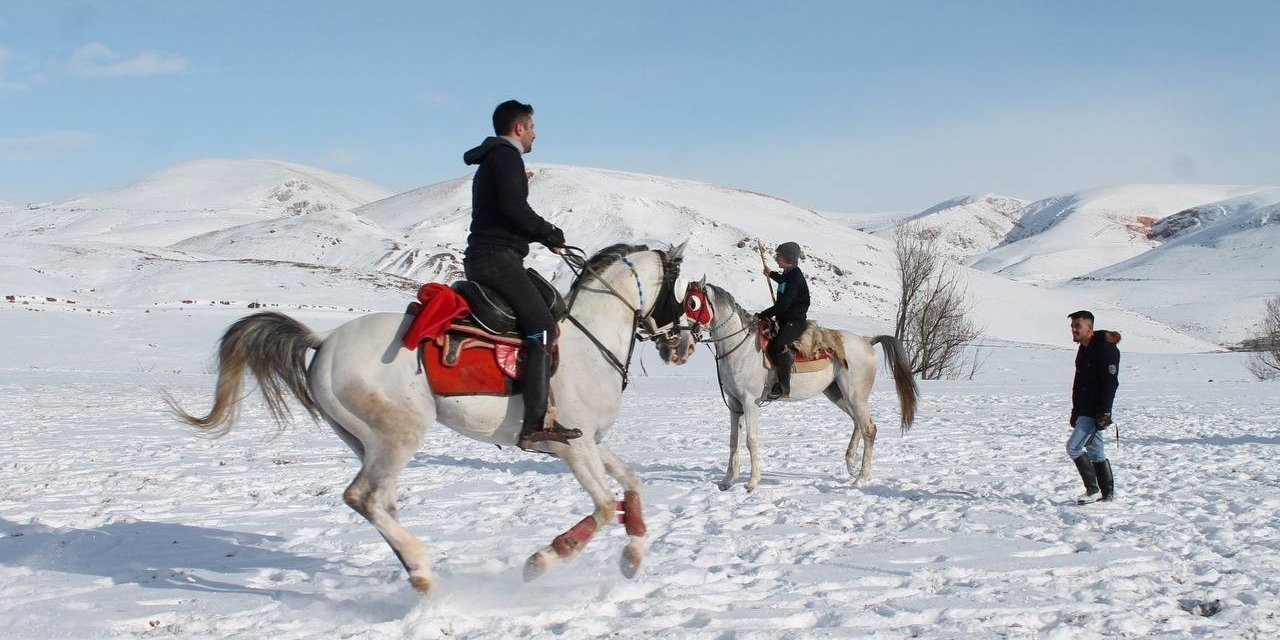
(793,296)
(500,213)
(1097,375)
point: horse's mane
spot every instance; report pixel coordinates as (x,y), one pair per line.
(733,304)
(602,259)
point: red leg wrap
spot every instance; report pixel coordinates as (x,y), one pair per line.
(632,516)
(567,543)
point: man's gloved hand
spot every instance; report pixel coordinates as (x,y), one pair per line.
(1104,419)
(1071,421)
(554,239)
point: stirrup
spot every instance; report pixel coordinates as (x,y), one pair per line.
(556,433)
(776,392)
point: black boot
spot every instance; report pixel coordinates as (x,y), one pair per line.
(1106,482)
(782,366)
(537,381)
(1090,478)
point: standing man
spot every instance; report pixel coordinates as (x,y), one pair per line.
(502,226)
(1092,392)
(791,309)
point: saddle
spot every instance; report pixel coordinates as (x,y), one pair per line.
(491,313)
(813,350)
(470,345)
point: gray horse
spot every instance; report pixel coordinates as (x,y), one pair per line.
(372,392)
(744,378)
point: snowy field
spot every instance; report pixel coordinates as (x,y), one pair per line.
(117,522)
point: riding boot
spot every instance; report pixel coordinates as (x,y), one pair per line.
(537,383)
(1090,478)
(782,366)
(1106,482)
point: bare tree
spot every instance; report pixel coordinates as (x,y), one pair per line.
(933,319)
(1264,362)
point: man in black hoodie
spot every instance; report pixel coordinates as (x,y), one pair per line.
(1092,392)
(791,310)
(502,226)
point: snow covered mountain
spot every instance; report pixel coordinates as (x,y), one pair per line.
(374,256)
(1074,234)
(1211,276)
(196,197)
(965,226)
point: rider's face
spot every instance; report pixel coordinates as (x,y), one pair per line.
(525,133)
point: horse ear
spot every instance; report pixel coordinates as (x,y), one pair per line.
(678,252)
(702,284)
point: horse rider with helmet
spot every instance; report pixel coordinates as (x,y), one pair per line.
(790,309)
(502,226)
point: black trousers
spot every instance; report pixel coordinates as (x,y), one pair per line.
(788,332)
(503,271)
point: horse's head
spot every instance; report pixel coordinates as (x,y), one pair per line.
(646,280)
(695,317)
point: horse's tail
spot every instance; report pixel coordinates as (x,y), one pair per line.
(908,392)
(273,347)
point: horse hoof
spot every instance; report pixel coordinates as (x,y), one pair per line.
(421,584)
(724,486)
(536,565)
(750,487)
(631,557)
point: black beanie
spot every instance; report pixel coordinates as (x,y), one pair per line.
(790,251)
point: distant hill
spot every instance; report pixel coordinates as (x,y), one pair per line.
(965,226)
(1219,263)
(1074,234)
(196,197)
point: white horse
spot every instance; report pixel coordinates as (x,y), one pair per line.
(373,393)
(744,378)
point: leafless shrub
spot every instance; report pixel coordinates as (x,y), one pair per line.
(1264,363)
(933,319)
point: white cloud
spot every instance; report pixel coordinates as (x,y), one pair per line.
(5,83)
(43,147)
(433,98)
(344,156)
(95,59)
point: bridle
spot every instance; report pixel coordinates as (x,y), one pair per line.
(698,311)
(655,324)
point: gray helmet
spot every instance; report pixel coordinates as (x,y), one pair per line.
(790,251)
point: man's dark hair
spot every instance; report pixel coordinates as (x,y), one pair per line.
(1087,315)
(508,114)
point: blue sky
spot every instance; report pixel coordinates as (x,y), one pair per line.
(841,106)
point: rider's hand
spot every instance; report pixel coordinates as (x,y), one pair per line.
(767,272)
(1104,419)
(554,239)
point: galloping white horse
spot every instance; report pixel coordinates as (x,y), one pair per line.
(372,392)
(744,378)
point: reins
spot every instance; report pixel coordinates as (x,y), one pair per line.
(578,264)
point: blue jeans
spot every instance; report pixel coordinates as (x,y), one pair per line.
(1086,436)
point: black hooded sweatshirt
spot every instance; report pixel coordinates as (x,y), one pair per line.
(500,213)
(1097,375)
(793,296)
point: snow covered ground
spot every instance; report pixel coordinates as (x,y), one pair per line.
(117,522)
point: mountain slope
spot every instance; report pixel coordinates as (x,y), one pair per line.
(965,226)
(1213,274)
(197,197)
(1070,235)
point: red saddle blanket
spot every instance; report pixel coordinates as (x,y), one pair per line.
(462,360)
